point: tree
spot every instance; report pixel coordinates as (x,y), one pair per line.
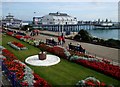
(83,35)
(25,27)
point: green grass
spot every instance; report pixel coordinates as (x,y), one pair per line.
(0,42)
(64,73)
(0,39)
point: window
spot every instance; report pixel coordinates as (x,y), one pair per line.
(50,22)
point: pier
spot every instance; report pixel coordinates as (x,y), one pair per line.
(75,27)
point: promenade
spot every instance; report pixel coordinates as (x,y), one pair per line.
(96,50)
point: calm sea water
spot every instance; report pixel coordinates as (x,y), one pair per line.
(106,34)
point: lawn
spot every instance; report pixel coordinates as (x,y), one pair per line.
(64,73)
(0,39)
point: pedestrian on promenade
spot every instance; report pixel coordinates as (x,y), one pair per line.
(70,46)
(53,42)
(31,34)
(59,40)
(78,48)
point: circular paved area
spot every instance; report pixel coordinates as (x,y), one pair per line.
(49,61)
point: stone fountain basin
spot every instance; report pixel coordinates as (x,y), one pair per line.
(49,61)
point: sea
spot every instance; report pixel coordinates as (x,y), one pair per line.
(105,33)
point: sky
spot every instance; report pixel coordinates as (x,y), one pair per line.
(88,11)
(59,0)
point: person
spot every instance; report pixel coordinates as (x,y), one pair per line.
(31,33)
(83,50)
(34,33)
(59,40)
(69,45)
(53,42)
(78,47)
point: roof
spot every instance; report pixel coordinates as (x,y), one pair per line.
(58,14)
(7,19)
(10,17)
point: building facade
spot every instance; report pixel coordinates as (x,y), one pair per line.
(58,18)
(12,22)
(56,22)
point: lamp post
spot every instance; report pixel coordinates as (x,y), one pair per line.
(62,28)
(59,29)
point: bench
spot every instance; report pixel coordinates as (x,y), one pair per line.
(51,42)
(76,48)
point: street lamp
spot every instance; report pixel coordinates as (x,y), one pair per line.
(62,27)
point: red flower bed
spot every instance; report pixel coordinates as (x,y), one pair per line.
(91,82)
(26,37)
(106,68)
(10,33)
(18,36)
(40,82)
(16,68)
(55,50)
(46,48)
(10,56)
(18,44)
(24,84)
(59,51)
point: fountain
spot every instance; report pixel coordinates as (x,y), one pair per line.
(42,59)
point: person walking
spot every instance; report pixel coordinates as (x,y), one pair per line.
(59,40)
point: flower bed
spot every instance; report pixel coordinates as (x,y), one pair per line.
(57,50)
(105,68)
(75,57)
(8,55)
(27,37)
(24,75)
(17,45)
(18,36)
(10,33)
(91,82)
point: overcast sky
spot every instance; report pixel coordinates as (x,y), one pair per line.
(82,10)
